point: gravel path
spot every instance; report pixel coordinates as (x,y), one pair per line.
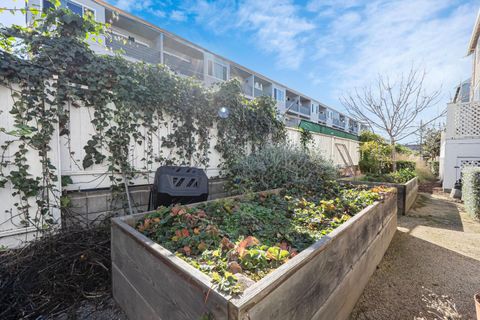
(431,269)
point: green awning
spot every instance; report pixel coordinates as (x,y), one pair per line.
(320,128)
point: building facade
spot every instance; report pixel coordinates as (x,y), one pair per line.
(140,40)
(460,144)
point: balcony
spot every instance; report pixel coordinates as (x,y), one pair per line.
(183,66)
(182,58)
(245,78)
(463,121)
(261,87)
(338,123)
(131,49)
(305,110)
(292,106)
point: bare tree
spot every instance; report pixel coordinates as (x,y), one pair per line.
(391,107)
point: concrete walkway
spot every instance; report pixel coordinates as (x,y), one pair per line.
(431,269)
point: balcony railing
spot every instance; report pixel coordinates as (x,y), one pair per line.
(338,123)
(463,120)
(187,67)
(305,110)
(292,106)
(259,93)
(353,130)
(133,49)
(247,89)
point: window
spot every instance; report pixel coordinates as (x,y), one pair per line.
(46,5)
(217,70)
(210,68)
(278,95)
(220,71)
(76,8)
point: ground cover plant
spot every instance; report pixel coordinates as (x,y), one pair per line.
(230,238)
(399,176)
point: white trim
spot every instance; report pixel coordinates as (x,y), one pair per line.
(64,3)
(84,6)
(176,56)
(13,232)
(127,37)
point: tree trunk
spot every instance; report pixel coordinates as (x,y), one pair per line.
(394,155)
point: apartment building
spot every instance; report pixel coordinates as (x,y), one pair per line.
(141,40)
(460,144)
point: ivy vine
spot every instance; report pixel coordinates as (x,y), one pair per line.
(50,68)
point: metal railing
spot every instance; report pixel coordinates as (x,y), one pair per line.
(305,110)
(338,123)
(292,106)
(133,49)
(189,68)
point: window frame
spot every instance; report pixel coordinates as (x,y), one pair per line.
(64,4)
(211,67)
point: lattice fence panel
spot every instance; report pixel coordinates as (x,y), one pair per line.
(467,119)
(470,163)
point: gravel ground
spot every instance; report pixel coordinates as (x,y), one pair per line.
(431,269)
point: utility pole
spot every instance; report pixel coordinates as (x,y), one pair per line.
(421,138)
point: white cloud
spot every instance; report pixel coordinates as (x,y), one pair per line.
(178,15)
(276,27)
(130,5)
(387,37)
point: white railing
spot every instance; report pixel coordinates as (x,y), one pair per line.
(463,120)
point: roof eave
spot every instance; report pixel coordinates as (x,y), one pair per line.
(475,34)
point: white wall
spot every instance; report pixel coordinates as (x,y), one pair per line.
(12,231)
(67,155)
(459,152)
(7,19)
(461,141)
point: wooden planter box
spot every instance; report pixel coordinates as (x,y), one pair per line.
(406,192)
(322,282)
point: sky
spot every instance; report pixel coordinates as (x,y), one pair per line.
(326,48)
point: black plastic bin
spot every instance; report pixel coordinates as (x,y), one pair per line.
(174,184)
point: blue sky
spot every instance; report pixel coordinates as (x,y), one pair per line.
(325,48)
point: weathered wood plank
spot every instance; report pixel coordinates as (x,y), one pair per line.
(172,289)
(131,301)
(297,290)
(411,192)
(172,292)
(343,299)
(406,192)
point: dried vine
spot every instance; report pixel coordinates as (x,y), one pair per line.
(54,70)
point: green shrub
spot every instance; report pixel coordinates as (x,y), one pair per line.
(434,167)
(406,164)
(374,157)
(471,190)
(278,166)
(400,176)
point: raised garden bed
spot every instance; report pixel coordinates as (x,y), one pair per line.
(323,281)
(406,192)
